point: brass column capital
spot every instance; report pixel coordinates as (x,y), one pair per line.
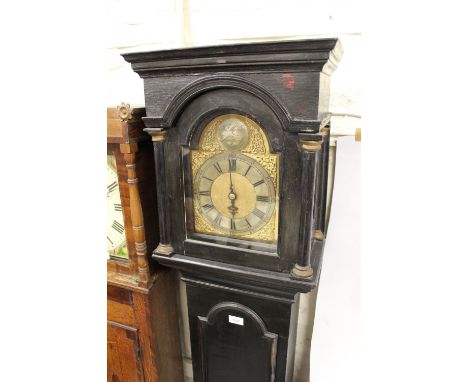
(159,136)
(325,130)
(312,146)
(302,272)
(164,249)
(318,235)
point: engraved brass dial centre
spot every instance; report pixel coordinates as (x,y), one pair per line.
(244,196)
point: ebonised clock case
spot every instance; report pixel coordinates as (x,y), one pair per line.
(284,87)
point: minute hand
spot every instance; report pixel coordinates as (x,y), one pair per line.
(232,197)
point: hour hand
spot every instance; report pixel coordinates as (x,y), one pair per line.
(232,197)
(233,209)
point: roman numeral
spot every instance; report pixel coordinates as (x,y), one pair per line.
(218,167)
(247,170)
(117,226)
(232,164)
(204,193)
(110,240)
(217,220)
(207,178)
(117,207)
(233,225)
(258,213)
(112,187)
(259,182)
(247,222)
(262,198)
(208,206)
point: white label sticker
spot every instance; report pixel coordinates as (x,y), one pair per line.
(236,320)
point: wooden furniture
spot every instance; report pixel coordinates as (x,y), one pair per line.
(241,140)
(142,327)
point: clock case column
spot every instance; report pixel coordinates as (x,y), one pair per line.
(314,178)
(158,137)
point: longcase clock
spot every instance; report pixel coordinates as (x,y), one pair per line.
(241,136)
(142,326)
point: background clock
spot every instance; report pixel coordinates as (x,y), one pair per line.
(116,240)
(142,325)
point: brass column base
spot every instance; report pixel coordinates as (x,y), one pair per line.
(301,272)
(164,249)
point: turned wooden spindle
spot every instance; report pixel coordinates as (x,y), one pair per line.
(129,151)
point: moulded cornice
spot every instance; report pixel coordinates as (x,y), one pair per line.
(313,55)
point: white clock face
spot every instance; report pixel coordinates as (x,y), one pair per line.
(116,241)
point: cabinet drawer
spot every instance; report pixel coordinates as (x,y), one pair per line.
(121,313)
(123,359)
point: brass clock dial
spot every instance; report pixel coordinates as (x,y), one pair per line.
(235,193)
(235,181)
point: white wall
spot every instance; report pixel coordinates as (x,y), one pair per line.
(136,25)
(335,344)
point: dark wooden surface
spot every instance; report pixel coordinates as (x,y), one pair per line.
(244,275)
(163,197)
(233,336)
(321,194)
(147,190)
(309,181)
(284,87)
(267,338)
(293,77)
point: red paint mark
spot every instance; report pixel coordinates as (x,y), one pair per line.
(288,81)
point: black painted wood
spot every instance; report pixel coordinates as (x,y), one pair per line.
(284,87)
(321,202)
(308,186)
(242,276)
(233,336)
(317,53)
(267,336)
(290,76)
(162,197)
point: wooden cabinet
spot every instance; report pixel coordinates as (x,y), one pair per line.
(142,325)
